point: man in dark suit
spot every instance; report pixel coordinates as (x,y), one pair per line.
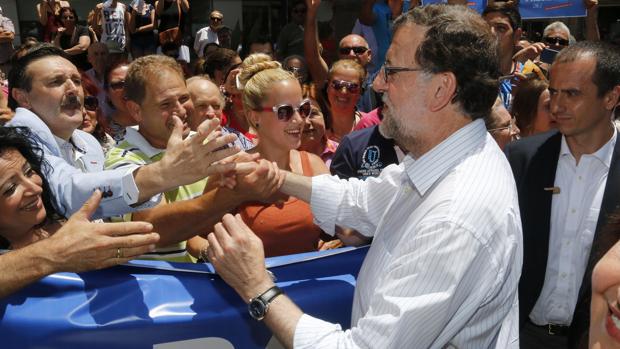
(568,182)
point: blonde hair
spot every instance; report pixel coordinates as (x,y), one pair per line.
(258,73)
(347,64)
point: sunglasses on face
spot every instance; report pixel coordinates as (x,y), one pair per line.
(68,18)
(91,103)
(117,85)
(348,86)
(555,41)
(285,112)
(358,50)
(216,19)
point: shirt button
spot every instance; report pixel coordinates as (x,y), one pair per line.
(579,177)
(563,275)
(573,210)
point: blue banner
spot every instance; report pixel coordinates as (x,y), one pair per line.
(532,9)
(164,305)
(477,5)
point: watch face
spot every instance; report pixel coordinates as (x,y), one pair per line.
(257,309)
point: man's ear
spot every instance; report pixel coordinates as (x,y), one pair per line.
(134,110)
(517,35)
(612,98)
(21,97)
(444,87)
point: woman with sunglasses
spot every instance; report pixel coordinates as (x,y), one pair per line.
(342,91)
(115,110)
(275,107)
(93,122)
(73,38)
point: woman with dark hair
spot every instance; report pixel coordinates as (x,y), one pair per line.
(94,122)
(115,110)
(48,12)
(39,241)
(73,38)
(26,211)
(530,107)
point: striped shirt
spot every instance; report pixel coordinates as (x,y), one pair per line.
(136,150)
(443,268)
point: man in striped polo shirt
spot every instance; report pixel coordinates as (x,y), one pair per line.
(156,90)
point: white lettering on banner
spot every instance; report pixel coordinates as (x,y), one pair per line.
(211,343)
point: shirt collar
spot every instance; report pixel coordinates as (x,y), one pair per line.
(426,170)
(134,138)
(603,154)
(74,142)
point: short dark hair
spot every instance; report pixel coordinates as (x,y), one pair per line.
(507,9)
(525,103)
(18,77)
(607,72)
(21,139)
(459,41)
(109,68)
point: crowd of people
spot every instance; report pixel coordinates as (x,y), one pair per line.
(119,142)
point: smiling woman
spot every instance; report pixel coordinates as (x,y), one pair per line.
(26,213)
(273,103)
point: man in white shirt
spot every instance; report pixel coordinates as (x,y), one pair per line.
(568,182)
(443,268)
(208,34)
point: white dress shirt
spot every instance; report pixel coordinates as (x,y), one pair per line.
(443,268)
(204,37)
(574,214)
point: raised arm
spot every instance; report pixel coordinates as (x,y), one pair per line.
(592,32)
(42,12)
(316,65)
(367,16)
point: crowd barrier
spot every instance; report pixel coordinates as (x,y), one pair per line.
(160,305)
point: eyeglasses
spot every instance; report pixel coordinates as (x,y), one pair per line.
(555,41)
(117,85)
(511,127)
(216,19)
(285,112)
(91,103)
(68,18)
(350,87)
(358,50)
(388,70)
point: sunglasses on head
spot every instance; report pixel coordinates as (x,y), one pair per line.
(285,112)
(117,85)
(555,41)
(358,50)
(91,103)
(349,86)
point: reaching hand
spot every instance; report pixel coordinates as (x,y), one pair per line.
(82,245)
(194,158)
(238,257)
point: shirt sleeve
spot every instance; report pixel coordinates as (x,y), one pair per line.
(435,284)
(353,203)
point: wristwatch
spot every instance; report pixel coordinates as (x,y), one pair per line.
(259,305)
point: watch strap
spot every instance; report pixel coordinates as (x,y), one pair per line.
(268,296)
